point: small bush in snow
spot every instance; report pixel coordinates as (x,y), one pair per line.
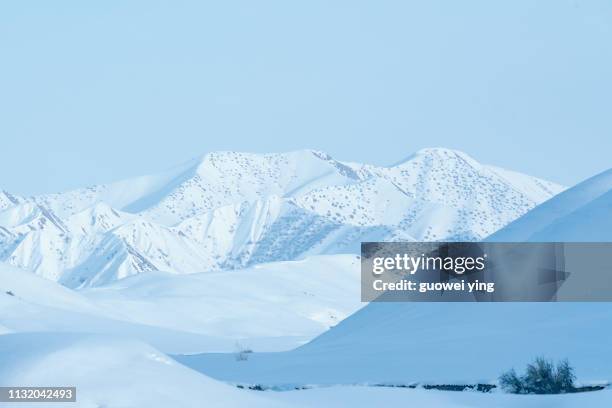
(541,377)
(242,353)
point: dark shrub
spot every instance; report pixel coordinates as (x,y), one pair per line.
(511,382)
(541,377)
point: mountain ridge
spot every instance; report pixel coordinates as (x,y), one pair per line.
(228,210)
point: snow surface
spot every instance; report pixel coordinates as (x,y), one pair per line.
(358,397)
(269,306)
(113,372)
(29,303)
(275,306)
(581,213)
(460,343)
(118,372)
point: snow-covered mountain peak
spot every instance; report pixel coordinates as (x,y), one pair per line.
(100,217)
(30,216)
(228,160)
(17,214)
(439,155)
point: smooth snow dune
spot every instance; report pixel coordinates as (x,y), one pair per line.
(29,303)
(275,306)
(581,213)
(112,372)
(591,222)
(18,287)
(433,343)
(268,307)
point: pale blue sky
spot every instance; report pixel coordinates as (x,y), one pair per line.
(92,93)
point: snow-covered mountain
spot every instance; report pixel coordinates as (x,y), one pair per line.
(231,210)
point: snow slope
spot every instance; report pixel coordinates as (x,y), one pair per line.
(269,306)
(112,372)
(117,372)
(581,213)
(432,342)
(231,210)
(29,303)
(275,306)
